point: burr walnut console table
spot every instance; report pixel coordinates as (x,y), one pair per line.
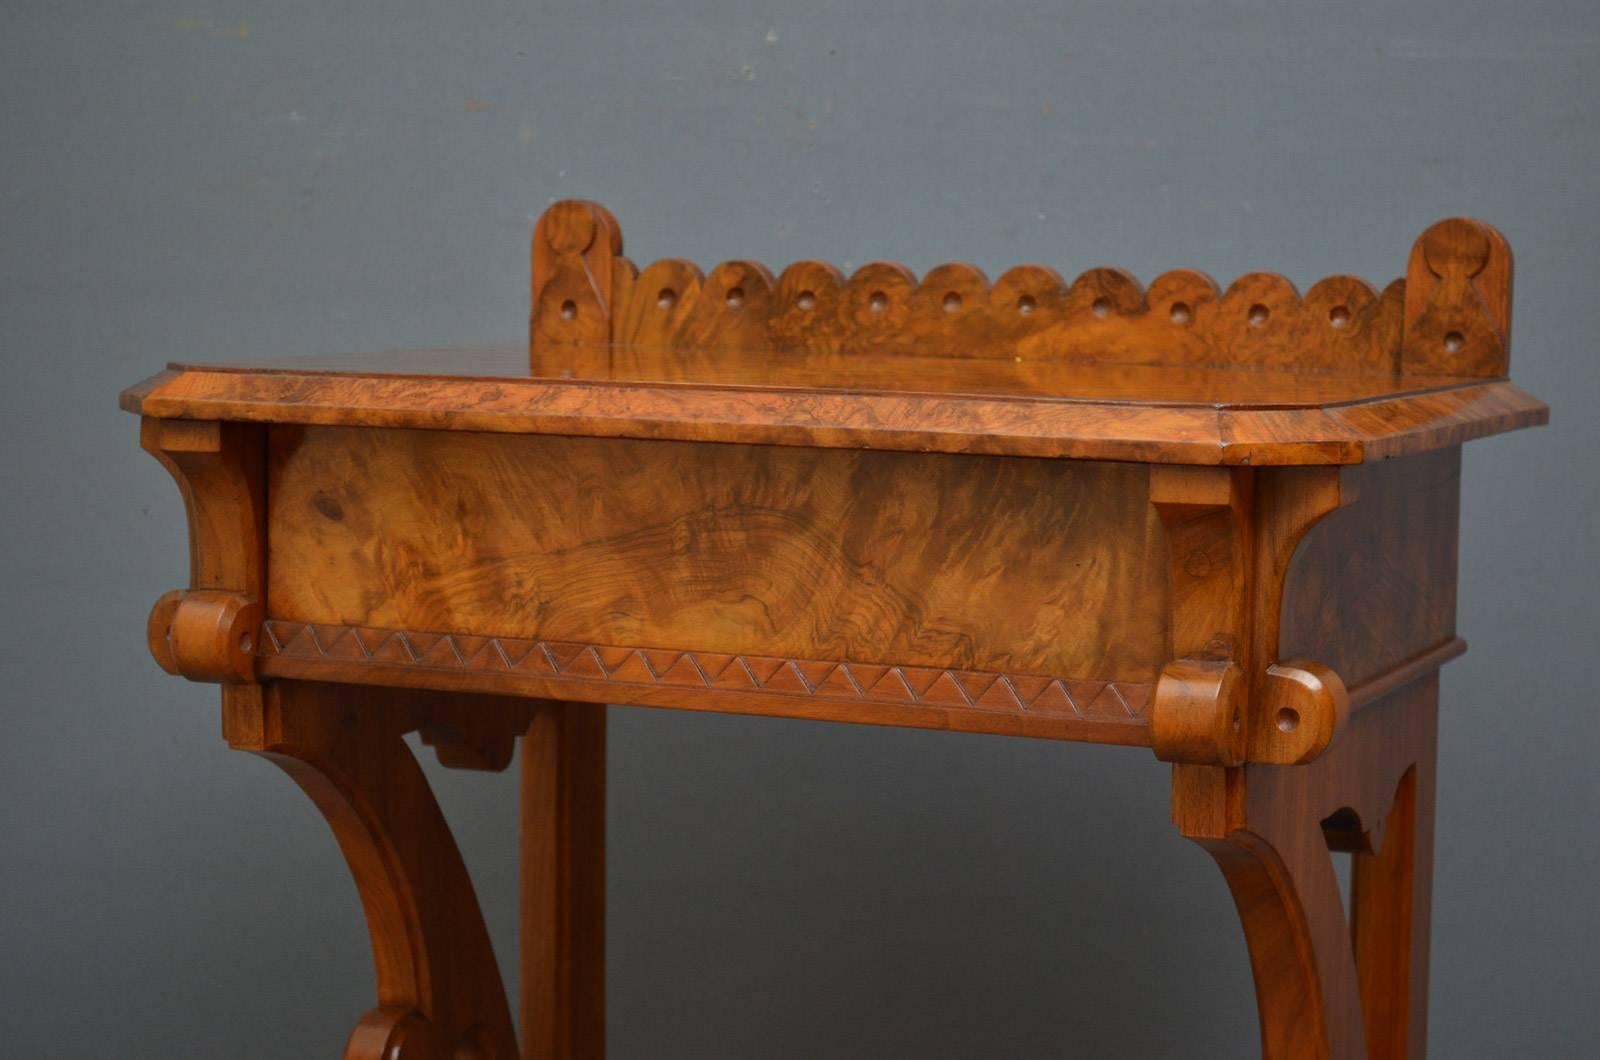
(1218,524)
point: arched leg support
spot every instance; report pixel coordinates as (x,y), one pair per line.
(1328,989)
(439,990)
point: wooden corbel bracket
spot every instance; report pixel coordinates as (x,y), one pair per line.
(207,632)
(1225,698)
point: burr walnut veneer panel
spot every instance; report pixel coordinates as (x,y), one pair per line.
(1375,582)
(874,557)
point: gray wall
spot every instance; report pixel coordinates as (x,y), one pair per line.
(227,180)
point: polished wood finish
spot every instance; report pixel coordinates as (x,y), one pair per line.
(575,245)
(1376,584)
(1450,316)
(564,882)
(1220,524)
(869,557)
(1458,300)
(220,471)
(1015,704)
(1188,419)
(208,633)
(1271,829)
(439,991)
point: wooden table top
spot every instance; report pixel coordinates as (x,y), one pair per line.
(1046,408)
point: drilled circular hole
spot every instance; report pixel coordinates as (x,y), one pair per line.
(952,302)
(807,301)
(1339,316)
(1258,315)
(1288,719)
(1181,313)
(735,297)
(1453,341)
(666,298)
(1026,304)
(877,301)
(246,643)
(1101,307)
(569,309)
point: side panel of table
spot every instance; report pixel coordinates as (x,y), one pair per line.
(1375,583)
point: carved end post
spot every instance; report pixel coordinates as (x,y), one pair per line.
(575,251)
(1458,301)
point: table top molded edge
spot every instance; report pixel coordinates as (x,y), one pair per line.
(1199,434)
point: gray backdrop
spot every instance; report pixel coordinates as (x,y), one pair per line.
(211,180)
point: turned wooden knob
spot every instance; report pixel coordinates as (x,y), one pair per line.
(205,634)
(1197,715)
(1304,705)
(1200,713)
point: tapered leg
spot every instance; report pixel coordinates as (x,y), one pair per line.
(1327,989)
(563,883)
(439,990)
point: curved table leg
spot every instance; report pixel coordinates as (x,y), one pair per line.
(1328,989)
(439,990)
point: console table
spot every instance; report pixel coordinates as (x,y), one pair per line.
(1220,524)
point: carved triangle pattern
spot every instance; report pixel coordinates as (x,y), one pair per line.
(1111,702)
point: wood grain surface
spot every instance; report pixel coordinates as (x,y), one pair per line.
(1016,704)
(668,320)
(1375,582)
(1092,511)
(563,876)
(439,992)
(1158,430)
(1328,986)
(1030,566)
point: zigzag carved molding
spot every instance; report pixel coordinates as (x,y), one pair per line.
(1109,702)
